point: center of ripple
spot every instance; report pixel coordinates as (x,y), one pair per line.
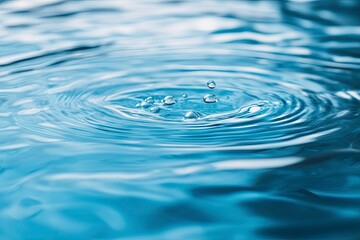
(170,104)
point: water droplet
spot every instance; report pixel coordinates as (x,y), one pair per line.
(184,95)
(210,98)
(138,105)
(192,115)
(154,109)
(145,104)
(211,84)
(150,100)
(169,100)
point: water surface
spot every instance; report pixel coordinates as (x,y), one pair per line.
(89,148)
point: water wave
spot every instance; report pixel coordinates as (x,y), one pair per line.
(91,149)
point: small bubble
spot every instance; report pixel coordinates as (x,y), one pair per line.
(210,98)
(169,100)
(145,104)
(154,109)
(211,84)
(192,115)
(150,100)
(184,95)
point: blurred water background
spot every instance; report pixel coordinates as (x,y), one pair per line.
(108,129)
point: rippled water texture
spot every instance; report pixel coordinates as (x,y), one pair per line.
(206,119)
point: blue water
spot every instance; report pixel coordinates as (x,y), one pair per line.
(105,134)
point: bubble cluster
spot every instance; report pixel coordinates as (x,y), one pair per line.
(153,105)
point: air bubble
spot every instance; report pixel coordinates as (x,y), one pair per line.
(210,98)
(150,100)
(169,100)
(211,84)
(145,104)
(154,109)
(192,115)
(184,95)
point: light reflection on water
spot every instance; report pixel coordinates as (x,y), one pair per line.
(179,119)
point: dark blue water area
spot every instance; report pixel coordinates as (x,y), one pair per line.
(111,126)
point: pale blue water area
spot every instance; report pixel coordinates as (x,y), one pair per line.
(165,119)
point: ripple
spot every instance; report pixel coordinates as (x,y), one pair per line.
(256,112)
(196,114)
